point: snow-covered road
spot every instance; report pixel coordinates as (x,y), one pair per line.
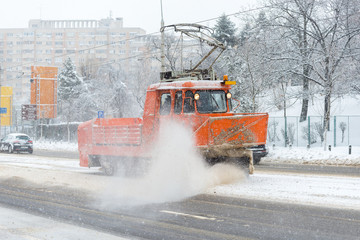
(322,190)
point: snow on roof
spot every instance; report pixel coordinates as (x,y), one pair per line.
(203,84)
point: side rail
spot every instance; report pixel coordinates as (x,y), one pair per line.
(117,135)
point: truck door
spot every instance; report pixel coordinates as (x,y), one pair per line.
(165,104)
(184,108)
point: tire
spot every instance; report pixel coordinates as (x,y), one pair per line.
(10,149)
(257,160)
(110,170)
(108,166)
(30,151)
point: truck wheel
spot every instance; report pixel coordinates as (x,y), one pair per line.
(257,160)
(109,170)
(108,166)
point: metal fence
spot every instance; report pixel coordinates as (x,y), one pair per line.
(51,132)
(284,131)
(343,131)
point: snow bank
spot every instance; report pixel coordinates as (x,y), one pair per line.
(55,146)
(302,155)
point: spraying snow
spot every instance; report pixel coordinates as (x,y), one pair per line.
(176,172)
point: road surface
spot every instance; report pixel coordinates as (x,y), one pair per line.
(207,216)
(199,217)
(275,167)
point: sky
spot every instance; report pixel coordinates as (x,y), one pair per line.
(145,14)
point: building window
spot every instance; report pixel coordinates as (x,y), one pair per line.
(28,34)
(27,51)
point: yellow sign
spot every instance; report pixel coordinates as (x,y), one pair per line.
(6,101)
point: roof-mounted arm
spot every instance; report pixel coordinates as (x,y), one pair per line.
(202,33)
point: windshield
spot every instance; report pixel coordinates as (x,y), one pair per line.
(22,137)
(211,101)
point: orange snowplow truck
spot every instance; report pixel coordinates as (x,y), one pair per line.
(220,134)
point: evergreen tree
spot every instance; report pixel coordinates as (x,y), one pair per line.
(69,92)
(70,83)
(225,31)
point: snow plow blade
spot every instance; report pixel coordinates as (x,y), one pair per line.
(230,136)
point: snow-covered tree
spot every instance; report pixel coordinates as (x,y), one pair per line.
(225,31)
(69,90)
(70,86)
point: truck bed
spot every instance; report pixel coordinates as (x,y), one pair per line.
(109,137)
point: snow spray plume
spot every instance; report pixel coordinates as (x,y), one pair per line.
(176,172)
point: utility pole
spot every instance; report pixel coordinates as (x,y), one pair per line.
(0,100)
(162,40)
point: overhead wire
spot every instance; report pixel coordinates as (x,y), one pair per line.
(29,63)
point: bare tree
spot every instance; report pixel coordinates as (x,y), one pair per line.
(334,34)
(171,47)
(292,21)
(324,33)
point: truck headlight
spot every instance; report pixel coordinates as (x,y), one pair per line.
(196,96)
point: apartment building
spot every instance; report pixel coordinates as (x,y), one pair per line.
(50,42)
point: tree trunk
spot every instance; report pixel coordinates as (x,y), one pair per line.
(326,124)
(305,100)
(327,112)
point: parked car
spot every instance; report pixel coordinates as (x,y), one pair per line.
(16,142)
(259,152)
